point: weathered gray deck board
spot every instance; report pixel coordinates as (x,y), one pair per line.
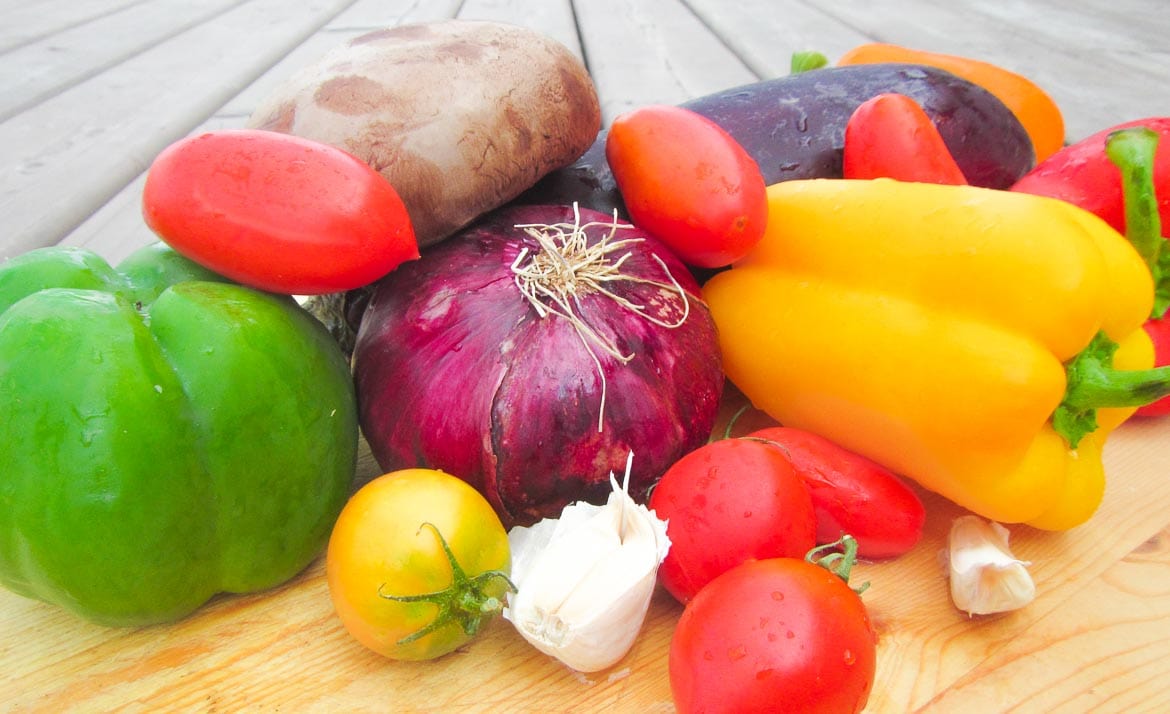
(22,22)
(765,33)
(49,65)
(86,103)
(652,51)
(62,158)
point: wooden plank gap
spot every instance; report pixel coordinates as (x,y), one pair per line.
(723,35)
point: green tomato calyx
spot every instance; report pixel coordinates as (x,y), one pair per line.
(838,558)
(467,601)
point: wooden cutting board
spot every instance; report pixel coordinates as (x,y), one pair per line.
(1097,638)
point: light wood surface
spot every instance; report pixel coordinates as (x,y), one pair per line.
(93,89)
(1094,640)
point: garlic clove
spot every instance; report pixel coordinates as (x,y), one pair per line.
(584,580)
(985,577)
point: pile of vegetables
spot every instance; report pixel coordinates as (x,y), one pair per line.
(870,253)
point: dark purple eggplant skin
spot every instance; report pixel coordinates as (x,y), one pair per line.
(588,181)
(794,127)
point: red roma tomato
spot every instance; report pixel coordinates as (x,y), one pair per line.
(851,494)
(726,502)
(277,212)
(689,183)
(891,136)
(393,583)
(773,635)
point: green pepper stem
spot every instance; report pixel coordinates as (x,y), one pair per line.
(1093,383)
(807,60)
(1132,151)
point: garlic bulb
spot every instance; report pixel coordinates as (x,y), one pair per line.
(985,577)
(584,580)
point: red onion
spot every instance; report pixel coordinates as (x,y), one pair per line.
(531,353)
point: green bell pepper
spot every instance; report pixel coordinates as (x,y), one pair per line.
(165,435)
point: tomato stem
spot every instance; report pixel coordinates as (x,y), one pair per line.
(841,557)
(735,418)
(466,601)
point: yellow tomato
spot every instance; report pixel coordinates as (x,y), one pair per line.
(417,562)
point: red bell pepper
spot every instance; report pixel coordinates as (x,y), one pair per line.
(890,135)
(1082,174)
(1122,174)
(1133,151)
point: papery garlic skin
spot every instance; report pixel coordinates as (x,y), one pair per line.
(985,577)
(584,580)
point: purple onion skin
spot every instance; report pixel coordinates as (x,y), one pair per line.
(455,370)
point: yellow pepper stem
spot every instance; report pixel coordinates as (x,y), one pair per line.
(1093,383)
(1132,151)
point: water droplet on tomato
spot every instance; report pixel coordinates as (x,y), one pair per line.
(708,655)
(747,514)
(736,653)
(777,596)
(850,658)
(790,635)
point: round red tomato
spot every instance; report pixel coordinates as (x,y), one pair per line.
(771,635)
(277,212)
(689,183)
(726,502)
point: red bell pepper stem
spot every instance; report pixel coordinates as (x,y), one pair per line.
(1132,150)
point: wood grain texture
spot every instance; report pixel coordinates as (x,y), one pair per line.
(1097,638)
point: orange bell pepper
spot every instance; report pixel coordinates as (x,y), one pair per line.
(1034,107)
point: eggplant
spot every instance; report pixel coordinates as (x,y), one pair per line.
(794,127)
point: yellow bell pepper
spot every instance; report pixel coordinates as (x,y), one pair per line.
(934,329)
